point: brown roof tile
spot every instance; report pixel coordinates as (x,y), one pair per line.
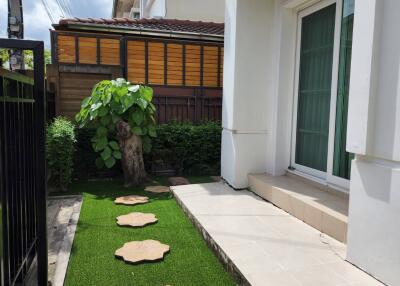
(152,25)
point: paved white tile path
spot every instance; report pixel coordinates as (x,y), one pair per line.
(266,244)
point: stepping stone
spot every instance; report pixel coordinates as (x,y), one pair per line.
(178,181)
(140,251)
(131,200)
(216,178)
(157,189)
(136,219)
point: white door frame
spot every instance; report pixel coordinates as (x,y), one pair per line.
(327,178)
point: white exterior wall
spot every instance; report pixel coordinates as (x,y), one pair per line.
(195,10)
(260,39)
(374,135)
(247,85)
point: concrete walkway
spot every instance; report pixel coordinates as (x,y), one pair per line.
(262,244)
(62,219)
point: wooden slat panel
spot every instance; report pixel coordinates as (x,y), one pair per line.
(210,66)
(87,50)
(175,64)
(156,63)
(74,87)
(109,52)
(136,61)
(192,65)
(66,49)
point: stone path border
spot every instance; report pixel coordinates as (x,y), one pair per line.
(63,217)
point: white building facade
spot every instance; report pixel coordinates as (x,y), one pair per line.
(313,88)
(194,10)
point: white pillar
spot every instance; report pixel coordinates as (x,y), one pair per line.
(374,136)
(248,37)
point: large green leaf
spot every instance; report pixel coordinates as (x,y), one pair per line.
(106,153)
(103,111)
(152,131)
(110,162)
(114,145)
(100,143)
(85,102)
(122,91)
(138,117)
(146,146)
(101,131)
(137,131)
(147,93)
(134,88)
(105,120)
(142,103)
(127,101)
(95,106)
(117,155)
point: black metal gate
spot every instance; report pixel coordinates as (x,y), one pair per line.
(23,242)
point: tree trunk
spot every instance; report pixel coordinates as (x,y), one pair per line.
(132,155)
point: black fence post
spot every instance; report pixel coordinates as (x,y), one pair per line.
(40,103)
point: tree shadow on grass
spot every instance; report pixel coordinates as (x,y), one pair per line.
(111,189)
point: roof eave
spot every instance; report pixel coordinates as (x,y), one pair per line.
(145,32)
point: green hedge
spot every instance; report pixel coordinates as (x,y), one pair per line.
(60,148)
(184,148)
(187,149)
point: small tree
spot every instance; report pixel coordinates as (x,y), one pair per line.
(120,112)
(60,148)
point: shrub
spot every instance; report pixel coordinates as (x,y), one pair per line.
(188,149)
(60,148)
(185,148)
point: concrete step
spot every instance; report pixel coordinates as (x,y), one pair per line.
(324,210)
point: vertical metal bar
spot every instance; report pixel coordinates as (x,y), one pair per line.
(166,110)
(123,57)
(98,60)
(40,168)
(54,47)
(2,181)
(76,49)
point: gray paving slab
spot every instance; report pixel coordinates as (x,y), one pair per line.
(62,219)
(262,244)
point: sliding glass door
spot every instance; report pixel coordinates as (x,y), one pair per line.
(322,91)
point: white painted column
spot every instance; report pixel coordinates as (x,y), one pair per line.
(247,88)
(374,136)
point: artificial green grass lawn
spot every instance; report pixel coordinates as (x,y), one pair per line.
(92,261)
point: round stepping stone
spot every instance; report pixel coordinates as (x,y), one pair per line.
(131,200)
(157,189)
(178,181)
(136,219)
(140,251)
